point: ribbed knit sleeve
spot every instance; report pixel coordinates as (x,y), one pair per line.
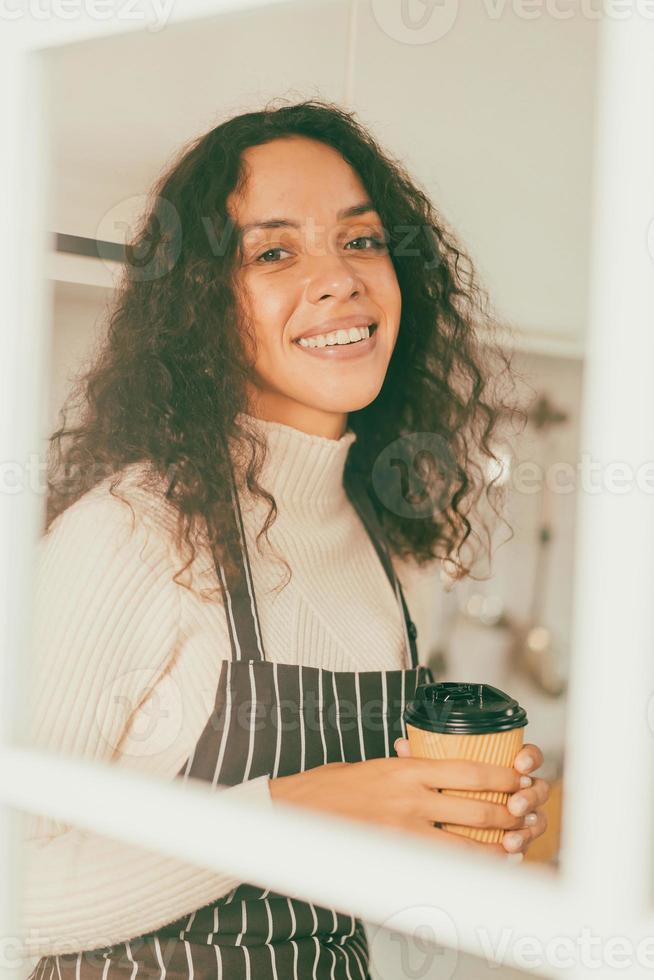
(106,626)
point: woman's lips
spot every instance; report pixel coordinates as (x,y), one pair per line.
(342,351)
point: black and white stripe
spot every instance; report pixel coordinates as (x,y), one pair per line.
(311,716)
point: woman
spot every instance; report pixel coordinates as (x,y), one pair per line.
(292,306)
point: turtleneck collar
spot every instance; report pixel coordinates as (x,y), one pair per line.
(302,470)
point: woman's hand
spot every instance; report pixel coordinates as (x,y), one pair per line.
(525,804)
(399,792)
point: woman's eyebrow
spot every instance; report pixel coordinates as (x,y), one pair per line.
(363,208)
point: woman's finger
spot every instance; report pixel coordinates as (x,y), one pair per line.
(466,811)
(537,825)
(425,829)
(528,758)
(465,843)
(529,799)
(463,774)
(519,840)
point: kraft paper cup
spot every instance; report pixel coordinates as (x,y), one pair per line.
(466,721)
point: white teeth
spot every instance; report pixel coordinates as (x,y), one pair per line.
(336,337)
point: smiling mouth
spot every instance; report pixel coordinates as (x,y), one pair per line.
(372,328)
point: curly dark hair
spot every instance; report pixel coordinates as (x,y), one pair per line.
(169,380)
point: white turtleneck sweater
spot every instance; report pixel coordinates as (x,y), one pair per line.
(126,665)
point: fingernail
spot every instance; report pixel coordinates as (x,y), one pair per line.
(526,762)
(531,819)
(518,805)
(513,840)
(515,858)
(526,782)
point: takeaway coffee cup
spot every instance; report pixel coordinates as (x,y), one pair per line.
(466,721)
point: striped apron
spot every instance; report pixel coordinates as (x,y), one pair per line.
(298,717)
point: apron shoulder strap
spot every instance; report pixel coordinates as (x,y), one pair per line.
(237,589)
(363,504)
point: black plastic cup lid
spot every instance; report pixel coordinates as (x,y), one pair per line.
(463,709)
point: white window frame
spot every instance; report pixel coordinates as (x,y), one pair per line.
(603,887)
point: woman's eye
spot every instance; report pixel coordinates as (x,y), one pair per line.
(377,243)
(277,248)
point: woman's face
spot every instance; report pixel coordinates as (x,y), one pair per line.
(316,267)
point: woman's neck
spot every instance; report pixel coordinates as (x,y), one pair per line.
(272,407)
(303,471)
